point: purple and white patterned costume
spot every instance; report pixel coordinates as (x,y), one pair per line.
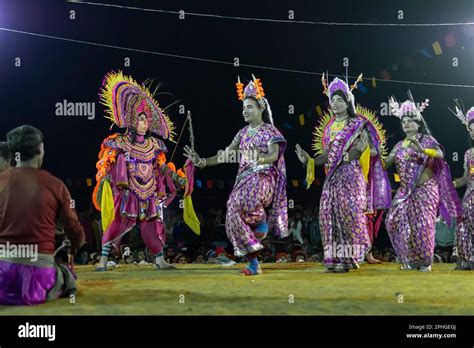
(411,220)
(259,193)
(347,197)
(349,194)
(465,231)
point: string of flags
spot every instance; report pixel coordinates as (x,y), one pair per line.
(436,49)
(207,183)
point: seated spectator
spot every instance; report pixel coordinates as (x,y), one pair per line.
(169,254)
(299,257)
(27,188)
(181,259)
(199,259)
(140,257)
(282,258)
(295,227)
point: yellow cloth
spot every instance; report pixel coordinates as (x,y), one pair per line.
(106,205)
(365,162)
(309,172)
(189,215)
(430,152)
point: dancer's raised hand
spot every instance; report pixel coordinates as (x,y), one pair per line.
(192,155)
(303,156)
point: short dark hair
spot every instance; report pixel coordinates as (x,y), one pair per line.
(5,151)
(25,141)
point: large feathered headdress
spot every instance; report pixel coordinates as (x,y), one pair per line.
(125,100)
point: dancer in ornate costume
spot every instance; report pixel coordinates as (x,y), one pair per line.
(132,172)
(349,142)
(257,203)
(465,230)
(426,188)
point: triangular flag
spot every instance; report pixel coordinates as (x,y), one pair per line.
(89,182)
(374,82)
(450,39)
(396,177)
(425,52)
(198,183)
(295,183)
(209,184)
(301,118)
(361,88)
(437,48)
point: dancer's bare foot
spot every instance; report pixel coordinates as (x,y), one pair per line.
(160,263)
(372,260)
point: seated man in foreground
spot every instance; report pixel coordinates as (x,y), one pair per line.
(32,203)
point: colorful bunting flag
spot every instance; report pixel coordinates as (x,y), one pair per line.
(425,53)
(209,184)
(437,48)
(361,88)
(89,182)
(319,111)
(198,183)
(301,118)
(374,82)
(295,183)
(450,39)
(396,177)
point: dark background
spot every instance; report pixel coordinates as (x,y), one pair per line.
(54,70)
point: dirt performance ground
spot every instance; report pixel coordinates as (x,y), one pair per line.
(283,289)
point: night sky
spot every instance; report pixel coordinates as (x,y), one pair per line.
(52,71)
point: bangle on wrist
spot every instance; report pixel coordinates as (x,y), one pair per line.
(203,164)
(198,164)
